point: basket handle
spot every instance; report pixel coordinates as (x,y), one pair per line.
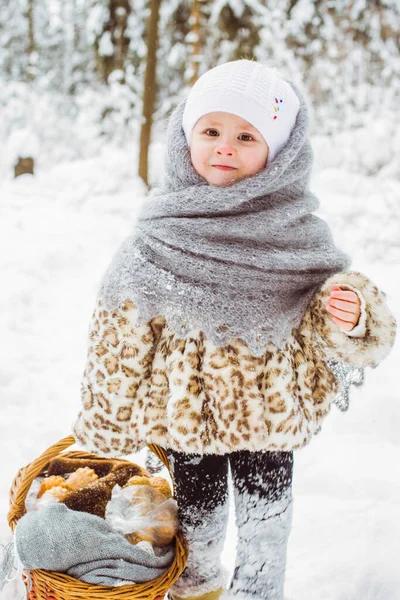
(160,453)
(26,475)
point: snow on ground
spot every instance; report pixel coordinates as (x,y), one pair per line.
(58,231)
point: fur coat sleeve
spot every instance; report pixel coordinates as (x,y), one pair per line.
(371,340)
(118,370)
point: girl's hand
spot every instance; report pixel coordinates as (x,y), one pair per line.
(344,307)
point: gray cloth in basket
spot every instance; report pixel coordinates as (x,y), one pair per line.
(84,546)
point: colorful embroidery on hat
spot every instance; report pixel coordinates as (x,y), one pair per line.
(277,108)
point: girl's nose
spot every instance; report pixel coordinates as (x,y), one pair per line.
(224,149)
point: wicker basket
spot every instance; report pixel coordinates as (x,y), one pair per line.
(51,585)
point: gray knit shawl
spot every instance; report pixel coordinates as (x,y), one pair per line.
(241,261)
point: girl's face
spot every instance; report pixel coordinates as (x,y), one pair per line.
(224,139)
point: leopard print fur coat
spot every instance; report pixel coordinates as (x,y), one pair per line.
(144,385)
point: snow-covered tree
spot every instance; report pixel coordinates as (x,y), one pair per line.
(107,29)
(13,40)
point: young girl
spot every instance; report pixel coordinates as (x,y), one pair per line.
(223,322)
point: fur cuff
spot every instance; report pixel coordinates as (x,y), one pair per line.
(380,325)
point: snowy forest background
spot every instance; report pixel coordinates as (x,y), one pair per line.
(72,72)
(85,90)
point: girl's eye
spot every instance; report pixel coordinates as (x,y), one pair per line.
(247,135)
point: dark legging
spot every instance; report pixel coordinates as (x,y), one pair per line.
(262,491)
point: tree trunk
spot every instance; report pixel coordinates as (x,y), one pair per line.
(116,25)
(198,20)
(149,91)
(121,12)
(24,165)
(68,15)
(31,47)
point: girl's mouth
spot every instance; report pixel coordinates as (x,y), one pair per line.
(224,168)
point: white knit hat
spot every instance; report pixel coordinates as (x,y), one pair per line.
(250,90)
